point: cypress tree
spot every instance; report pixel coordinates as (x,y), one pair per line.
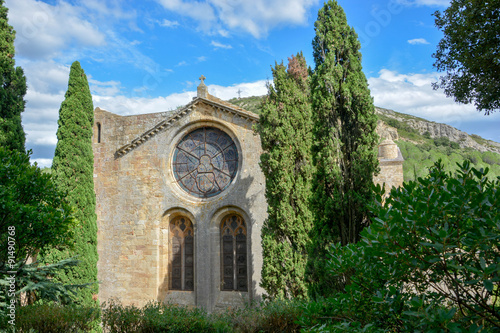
(285,129)
(72,169)
(12,90)
(344,141)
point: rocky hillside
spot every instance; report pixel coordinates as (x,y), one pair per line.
(429,129)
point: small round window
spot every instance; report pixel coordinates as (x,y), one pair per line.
(205,162)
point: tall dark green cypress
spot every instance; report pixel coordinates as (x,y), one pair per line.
(72,169)
(344,141)
(285,129)
(12,89)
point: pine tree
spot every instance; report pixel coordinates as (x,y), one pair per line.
(72,169)
(344,141)
(12,89)
(285,129)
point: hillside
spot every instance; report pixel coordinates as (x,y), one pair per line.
(422,142)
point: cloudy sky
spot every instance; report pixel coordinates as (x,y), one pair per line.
(146,56)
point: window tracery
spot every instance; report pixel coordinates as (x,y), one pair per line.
(234,254)
(181,264)
(205,162)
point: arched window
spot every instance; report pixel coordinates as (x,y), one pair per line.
(181,265)
(234,254)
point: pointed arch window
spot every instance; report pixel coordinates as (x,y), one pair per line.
(234,254)
(181,265)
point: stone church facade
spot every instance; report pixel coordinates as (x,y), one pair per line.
(180,204)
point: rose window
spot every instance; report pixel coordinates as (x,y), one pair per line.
(205,162)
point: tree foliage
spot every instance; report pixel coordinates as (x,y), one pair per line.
(285,129)
(32,207)
(73,173)
(34,217)
(468,53)
(344,139)
(430,260)
(12,88)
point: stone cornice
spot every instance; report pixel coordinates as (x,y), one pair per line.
(217,104)
(221,105)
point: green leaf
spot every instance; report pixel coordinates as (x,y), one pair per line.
(488,285)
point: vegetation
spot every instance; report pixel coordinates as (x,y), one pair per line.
(252,103)
(421,156)
(73,173)
(468,53)
(285,130)
(276,316)
(344,141)
(50,317)
(38,214)
(34,217)
(12,89)
(428,262)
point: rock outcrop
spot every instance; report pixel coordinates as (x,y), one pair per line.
(386,132)
(434,130)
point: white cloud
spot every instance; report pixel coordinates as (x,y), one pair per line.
(199,11)
(109,9)
(169,24)
(413,94)
(109,88)
(220,45)
(256,17)
(42,162)
(44,31)
(418,41)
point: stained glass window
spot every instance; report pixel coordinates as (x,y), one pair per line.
(205,162)
(181,254)
(234,254)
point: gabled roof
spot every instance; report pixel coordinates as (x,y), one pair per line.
(216,103)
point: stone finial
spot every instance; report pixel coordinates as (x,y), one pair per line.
(388,150)
(202,90)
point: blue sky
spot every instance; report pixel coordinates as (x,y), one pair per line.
(146,56)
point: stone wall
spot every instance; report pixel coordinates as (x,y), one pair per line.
(137,196)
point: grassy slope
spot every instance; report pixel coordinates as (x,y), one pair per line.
(419,152)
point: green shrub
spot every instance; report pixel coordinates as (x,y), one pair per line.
(429,262)
(269,316)
(49,318)
(117,318)
(158,317)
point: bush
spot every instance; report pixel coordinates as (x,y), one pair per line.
(117,318)
(49,318)
(430,260)
(158,317)
(270,316)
